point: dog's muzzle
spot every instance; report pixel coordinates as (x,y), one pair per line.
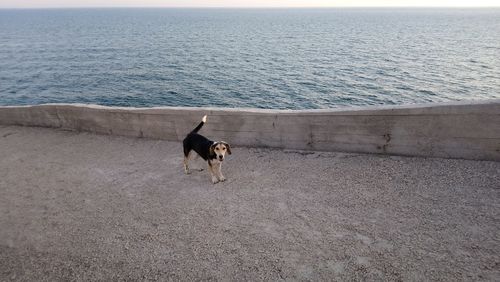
(221,158)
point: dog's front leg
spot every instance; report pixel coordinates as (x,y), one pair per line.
(219,172)
(212,173)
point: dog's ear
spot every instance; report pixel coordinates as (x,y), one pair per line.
(211,151)
(228,147)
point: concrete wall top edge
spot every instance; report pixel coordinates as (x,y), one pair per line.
(385,109)
(466,129)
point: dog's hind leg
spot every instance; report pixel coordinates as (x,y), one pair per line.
(186,161)
(194,158)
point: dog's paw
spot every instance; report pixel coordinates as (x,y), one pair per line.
(222,179)
(215,180)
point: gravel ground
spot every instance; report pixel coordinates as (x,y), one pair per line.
(78,206)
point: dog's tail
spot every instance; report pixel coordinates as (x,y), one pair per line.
(203,120)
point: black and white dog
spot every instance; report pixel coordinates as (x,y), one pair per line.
(211,151)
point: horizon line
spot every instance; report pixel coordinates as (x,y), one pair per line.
(242,7)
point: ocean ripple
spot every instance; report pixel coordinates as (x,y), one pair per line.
(278,58)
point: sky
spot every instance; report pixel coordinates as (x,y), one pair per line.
(245,3)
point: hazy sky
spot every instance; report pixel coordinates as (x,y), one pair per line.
(241,3)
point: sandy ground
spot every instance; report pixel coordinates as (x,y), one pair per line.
(78,206)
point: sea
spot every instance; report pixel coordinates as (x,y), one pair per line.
(249,58)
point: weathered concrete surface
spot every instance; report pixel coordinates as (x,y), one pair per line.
(79,206)
(469,130)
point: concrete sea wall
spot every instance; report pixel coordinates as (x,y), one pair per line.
(468,130)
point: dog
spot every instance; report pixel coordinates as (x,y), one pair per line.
(214,152)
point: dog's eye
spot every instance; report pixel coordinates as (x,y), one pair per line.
(223,149)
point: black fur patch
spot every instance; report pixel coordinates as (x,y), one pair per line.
(200,144)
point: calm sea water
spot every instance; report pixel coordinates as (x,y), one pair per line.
(277,58)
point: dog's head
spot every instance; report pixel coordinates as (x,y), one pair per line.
(219,149)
